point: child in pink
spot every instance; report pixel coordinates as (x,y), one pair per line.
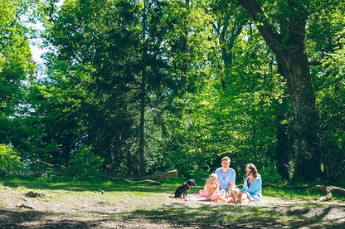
(212,189)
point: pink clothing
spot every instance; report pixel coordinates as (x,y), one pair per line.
(202,193)
(210,189)
(212,192)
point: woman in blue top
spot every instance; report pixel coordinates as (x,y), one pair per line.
(252,186)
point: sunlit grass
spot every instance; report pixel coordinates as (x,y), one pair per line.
(139,189)
(312,193)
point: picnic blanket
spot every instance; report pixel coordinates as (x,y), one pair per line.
(201,196)
(196,197)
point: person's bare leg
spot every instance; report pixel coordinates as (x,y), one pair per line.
(240,197)
(243,198)
(236,191)
(234,197)
(223,199)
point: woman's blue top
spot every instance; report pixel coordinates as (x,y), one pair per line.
(254,189)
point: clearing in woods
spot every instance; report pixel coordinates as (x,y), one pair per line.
(109,204)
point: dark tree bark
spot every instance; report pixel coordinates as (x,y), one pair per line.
(282,149)
(291,53)
(142,98)
(283,145)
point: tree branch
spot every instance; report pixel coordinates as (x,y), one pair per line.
(267,30)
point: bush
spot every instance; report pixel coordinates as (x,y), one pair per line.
(84,163)
(192,172)
(270,175)
(9,160)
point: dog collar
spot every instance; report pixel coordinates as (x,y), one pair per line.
(187,185)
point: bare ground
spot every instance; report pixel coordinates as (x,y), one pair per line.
(113,209)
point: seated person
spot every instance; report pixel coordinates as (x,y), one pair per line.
(211,189)
(252,186)
(227,177)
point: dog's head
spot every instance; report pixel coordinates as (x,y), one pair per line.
(191,182)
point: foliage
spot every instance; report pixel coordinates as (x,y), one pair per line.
(189,81)
(15,65)
(9,160)
(331,106)
(84,163)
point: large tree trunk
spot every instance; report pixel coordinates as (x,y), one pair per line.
(302,98)
(142,98)
(291,53)
(283,145)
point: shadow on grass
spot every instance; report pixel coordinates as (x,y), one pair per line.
(236,216)
(182,215)
(38,220)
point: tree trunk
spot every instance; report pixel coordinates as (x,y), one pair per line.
(282,149)
(328,191)
(160,176)
(291,53)
(302,98)
(142,98)
(150,179)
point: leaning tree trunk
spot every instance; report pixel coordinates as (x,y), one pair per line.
(290,51)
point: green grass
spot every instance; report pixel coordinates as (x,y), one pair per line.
(291,193)
(151,204)
(167,186)
(299,193)
(70,184)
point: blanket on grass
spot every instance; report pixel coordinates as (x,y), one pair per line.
(201,196)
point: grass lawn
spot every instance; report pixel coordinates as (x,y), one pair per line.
(68,203)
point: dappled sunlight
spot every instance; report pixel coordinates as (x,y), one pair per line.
(146,206)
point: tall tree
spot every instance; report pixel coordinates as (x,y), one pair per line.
(227,25)
(16,64)
(290,48)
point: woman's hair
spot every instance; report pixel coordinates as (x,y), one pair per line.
(210,179)
(253,170)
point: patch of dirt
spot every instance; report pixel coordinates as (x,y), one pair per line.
(88,209)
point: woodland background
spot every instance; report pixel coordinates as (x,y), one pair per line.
(135,87)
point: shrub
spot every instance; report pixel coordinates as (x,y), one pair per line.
(84,163)
(270,175)
(9,160)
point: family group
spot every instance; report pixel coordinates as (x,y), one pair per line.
(221,186)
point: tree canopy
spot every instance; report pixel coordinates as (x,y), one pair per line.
(137,87)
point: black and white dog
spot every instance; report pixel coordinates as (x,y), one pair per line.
(182,190)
